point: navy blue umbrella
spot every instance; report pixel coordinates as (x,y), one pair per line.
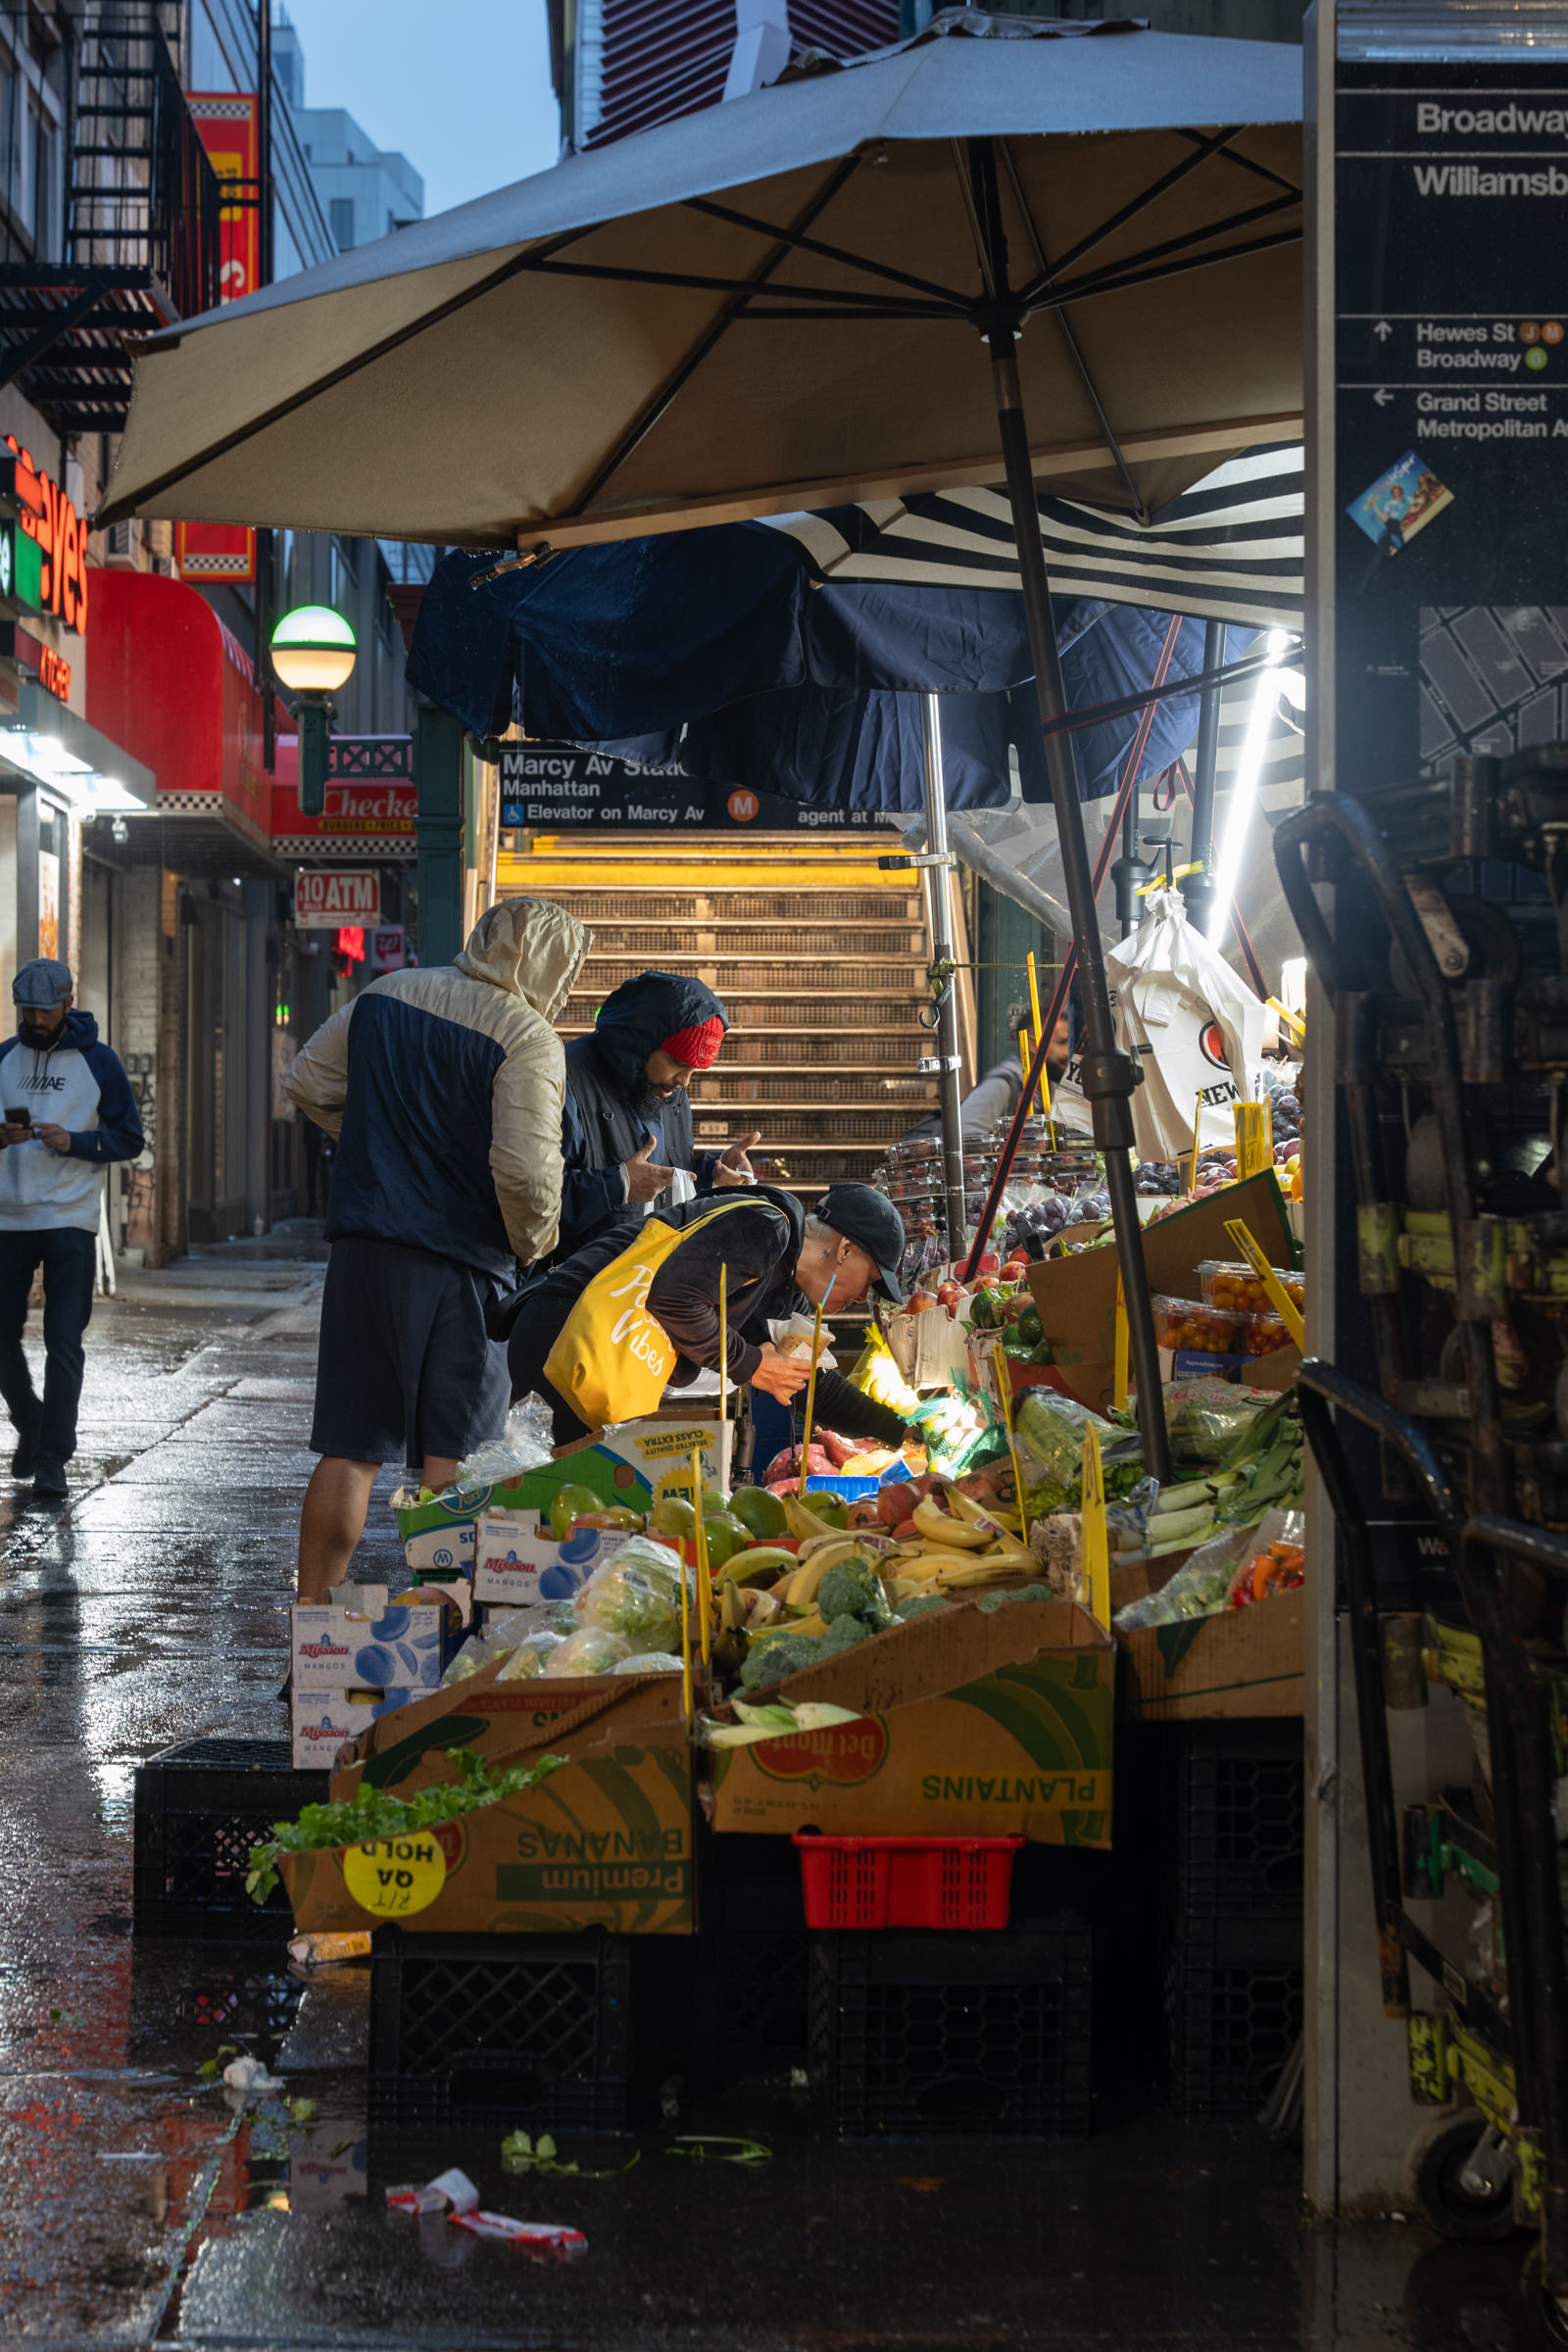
(722,653)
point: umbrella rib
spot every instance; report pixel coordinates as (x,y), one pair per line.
(1247,163)
(676,382)
(1096,236)
(1135,496)
(1132,273)
(828,252)
(620,275)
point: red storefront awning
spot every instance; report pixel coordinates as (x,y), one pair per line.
(170,682)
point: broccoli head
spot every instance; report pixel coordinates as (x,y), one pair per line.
(919,1605)
(771,1661)
(851,1589)
(843,1633)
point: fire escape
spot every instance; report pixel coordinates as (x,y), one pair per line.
(141,242)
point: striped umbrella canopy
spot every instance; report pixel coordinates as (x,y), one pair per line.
(1233,547)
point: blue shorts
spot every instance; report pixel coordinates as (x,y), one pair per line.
(405,1366)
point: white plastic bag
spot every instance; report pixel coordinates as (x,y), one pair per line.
(1195,1027)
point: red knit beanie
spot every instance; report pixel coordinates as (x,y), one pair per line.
(696,1048)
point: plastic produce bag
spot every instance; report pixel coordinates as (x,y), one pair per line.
(529,1656)
(649,1661)
(1206,1417)
(1202,1587)
(1190,1023)
(624,1600)
(659,1563)
(1050,1429)
(590,1650)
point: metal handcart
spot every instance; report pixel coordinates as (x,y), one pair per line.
(1503,2161)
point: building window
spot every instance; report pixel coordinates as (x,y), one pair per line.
(341,209)
(345,576)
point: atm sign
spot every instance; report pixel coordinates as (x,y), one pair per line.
(339,898)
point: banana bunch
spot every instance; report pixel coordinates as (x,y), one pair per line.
(817,1559)
(956,1549)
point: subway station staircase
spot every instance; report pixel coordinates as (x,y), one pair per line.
(818,955)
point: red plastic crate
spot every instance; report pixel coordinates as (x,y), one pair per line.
(906,1882)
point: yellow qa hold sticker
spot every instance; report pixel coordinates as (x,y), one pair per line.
(395,1875)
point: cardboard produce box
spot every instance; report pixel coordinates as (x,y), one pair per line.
(630,1462)
(1076,1296)
(606,1841)
(409,1644)
(518,1563)
(975,1722)
(1243,1662)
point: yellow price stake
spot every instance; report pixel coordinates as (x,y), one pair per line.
(1279,1297)
(1003,1371)
(1034,1002)
(1094,1554)
(1197,1140)
(705,1584)
(1119,1359)
(1255,1137)
(1285,1015)
(395,1875)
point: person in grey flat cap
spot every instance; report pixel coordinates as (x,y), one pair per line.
(68,1113)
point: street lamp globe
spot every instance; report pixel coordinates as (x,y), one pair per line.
(313,650)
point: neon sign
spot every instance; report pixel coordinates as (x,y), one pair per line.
(46,516)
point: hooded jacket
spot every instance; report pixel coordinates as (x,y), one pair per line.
(77,1083)
(605,1080)
(444,1088)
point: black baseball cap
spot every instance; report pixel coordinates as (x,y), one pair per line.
(869,1220)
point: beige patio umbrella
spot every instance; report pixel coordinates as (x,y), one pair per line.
(776,304)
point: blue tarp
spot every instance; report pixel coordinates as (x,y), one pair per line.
(719,649)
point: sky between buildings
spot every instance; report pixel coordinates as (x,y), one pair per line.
(464,89)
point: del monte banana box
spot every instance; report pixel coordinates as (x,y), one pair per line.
(991,1718)
(605,1842)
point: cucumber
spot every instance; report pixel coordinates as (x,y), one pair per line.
(1182,1499)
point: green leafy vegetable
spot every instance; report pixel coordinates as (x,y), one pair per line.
(371,1813)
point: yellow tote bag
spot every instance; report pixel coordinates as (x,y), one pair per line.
(611,1358)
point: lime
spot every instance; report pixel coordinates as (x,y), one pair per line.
(755,1507)
(566,1504)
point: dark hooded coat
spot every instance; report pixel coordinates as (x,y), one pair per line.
(603,1125)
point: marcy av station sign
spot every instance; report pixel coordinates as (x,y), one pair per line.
(553,785)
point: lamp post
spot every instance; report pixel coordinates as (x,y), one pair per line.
(313,655)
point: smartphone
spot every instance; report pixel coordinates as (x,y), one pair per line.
(18,1116)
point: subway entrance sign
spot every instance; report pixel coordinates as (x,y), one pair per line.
(328,899)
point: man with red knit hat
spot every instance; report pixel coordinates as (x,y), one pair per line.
(626,1132)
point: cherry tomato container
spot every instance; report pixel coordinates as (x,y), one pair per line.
(1191,1323)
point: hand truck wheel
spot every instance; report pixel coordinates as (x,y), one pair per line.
(1434,2167)
(1548,2312)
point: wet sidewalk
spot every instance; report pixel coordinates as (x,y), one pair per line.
(138,2208)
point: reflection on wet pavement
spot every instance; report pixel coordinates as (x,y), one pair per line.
(141,2204)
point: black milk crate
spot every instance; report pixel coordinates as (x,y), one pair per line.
(1234,2005)
(1240,1838)
(918,2034)
(525,2031)
(750,1989)
(199,1809)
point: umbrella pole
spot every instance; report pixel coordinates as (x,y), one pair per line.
(940,904)
(1198,889)
(1108,1075)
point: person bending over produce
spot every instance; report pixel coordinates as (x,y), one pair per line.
(599,1335)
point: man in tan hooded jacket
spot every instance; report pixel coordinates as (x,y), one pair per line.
(444,1088)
